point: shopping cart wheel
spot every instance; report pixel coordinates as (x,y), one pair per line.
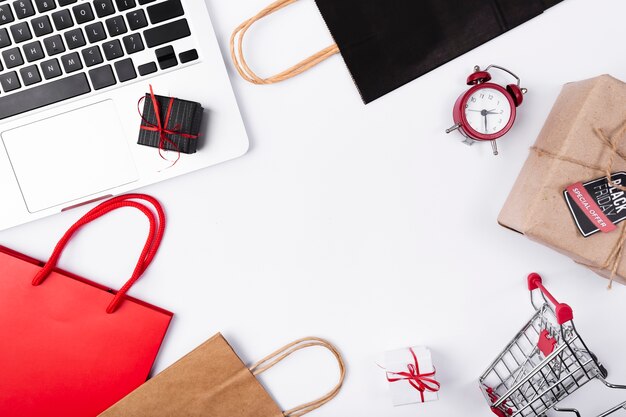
(603,370)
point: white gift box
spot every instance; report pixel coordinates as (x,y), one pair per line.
(402,361)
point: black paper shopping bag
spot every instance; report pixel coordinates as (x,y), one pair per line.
(388,43)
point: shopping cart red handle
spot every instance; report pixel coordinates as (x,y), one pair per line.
(562,311)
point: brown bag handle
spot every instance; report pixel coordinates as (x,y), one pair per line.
(273,358)
(242,66)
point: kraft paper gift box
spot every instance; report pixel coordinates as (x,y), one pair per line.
(411,375)
(583,138)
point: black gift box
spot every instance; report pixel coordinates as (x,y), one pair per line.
(185,118)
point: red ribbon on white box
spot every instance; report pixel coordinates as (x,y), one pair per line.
(421,382)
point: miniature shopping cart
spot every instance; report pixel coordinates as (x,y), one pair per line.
(544,363)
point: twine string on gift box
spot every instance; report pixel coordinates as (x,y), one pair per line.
(611,142)
(276,357)
(421,382)
(161,127)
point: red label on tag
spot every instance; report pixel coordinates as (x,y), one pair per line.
(585,202)
(546,343)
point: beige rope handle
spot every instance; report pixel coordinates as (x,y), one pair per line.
(275,357)
(236,50)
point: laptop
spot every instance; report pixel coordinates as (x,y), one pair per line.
(71,75)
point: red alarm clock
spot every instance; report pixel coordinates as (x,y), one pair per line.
(486,111)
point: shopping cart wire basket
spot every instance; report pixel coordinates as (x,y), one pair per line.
(544,363)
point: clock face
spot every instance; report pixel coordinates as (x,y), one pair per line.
(488,111)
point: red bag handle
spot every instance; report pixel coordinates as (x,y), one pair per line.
(147,254)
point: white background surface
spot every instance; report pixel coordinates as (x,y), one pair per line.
(366,225)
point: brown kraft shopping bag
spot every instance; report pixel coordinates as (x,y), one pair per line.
(211,381)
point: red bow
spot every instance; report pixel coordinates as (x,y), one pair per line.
(421,382)
(162,127)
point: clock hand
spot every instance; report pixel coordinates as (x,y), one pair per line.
(485,123)
(484,111)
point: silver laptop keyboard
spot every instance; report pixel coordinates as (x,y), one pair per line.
(54,50)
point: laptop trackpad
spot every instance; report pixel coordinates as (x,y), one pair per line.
(70,156)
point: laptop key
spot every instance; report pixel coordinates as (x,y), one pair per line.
(62,19)
(95,32)
(125,70)
(166,57)
(74,38)
(92,56)
(9,81)
(112,49)
(125,4)
(6,15)
(33,51)
(142,2)
(21,32)
(102,77)
(43,95)
(45,5)
(83,13)
(190,55)
(66,2)
(23,8)
(54,45)
(133,43)
(116,26)
(30,75)
(12,57)
(166,33)
(146,69)
(50,68)
(103,7)
(4,38)
(165,10)
(71,62)
(41,25)
(137,19)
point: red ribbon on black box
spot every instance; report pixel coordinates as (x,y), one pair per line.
(169,123)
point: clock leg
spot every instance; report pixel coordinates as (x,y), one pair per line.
(494,146)
(453,128)
(468,141)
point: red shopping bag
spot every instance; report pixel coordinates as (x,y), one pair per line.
(70,347)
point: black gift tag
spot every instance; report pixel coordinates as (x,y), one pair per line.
(595,206)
